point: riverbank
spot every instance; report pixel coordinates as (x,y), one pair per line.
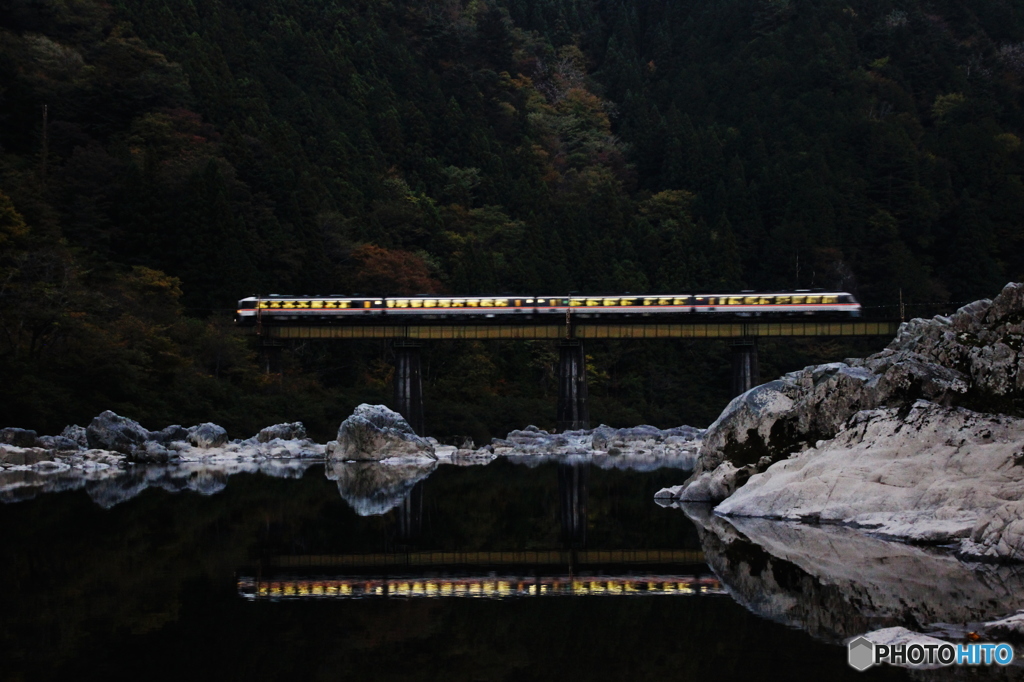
(921,442)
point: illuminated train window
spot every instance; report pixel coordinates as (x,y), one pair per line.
(490,587)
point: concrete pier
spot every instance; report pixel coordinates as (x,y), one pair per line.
(408,382)
(573,482)
(271,355)
(573,408)
(410,516)
(745,373)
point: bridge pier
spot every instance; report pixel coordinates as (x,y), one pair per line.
(408,382)
(745,374)
(573,407)
(271,354)
(410,516)
(572,507)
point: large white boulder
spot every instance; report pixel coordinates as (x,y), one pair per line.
(935,474)
(967,360)
(110,431)
(374,433)
(293,431)
(207,435)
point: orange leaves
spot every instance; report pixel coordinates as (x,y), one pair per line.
(587,109)
(381,271)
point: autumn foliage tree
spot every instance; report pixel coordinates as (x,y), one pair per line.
(390,272)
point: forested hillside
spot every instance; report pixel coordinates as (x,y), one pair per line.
(161,159)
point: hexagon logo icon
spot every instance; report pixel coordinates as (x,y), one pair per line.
(861,654)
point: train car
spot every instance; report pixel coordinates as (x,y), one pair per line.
(743,304)
(278,309)
(298,308)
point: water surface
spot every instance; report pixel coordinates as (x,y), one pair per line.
(354,572)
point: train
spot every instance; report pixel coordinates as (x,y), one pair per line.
(275,309)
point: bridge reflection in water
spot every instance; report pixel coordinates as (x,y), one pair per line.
(486,587)
(571,570)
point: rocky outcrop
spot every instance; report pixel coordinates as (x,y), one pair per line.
(293,431)
(59,443)
(934,475)
(152,452)
(55,462)
(207,436)
(536,441)
(675,447)
(110,431)
(970,359)
(170,434)
(22,438)
(1008,628)
(77,434)
(374,433)
(15,456)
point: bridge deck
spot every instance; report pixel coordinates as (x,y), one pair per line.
(584,330)
(493,558)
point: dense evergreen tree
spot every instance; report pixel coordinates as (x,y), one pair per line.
(159,160)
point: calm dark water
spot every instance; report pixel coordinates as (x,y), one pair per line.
(166,585)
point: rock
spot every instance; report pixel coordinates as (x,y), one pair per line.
(287,449)
(1009,628)
(901,636)
(670,493)
(59,443)
(110,431)
(532,439)
(293,431)
(999,535)
(170,434)
(22,438)
(152,452)
(934,475)
(76,433)
(207,436)
(674,447)
(714,485)
(373,433)
(16,456)
(968,360)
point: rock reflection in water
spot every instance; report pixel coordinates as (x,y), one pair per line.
(632,462)
(836,582)
(112,485)
(375,488)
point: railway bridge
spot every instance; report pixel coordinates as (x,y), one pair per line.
(409,333)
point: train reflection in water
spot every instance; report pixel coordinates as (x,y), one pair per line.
(490,587)
(406,570)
